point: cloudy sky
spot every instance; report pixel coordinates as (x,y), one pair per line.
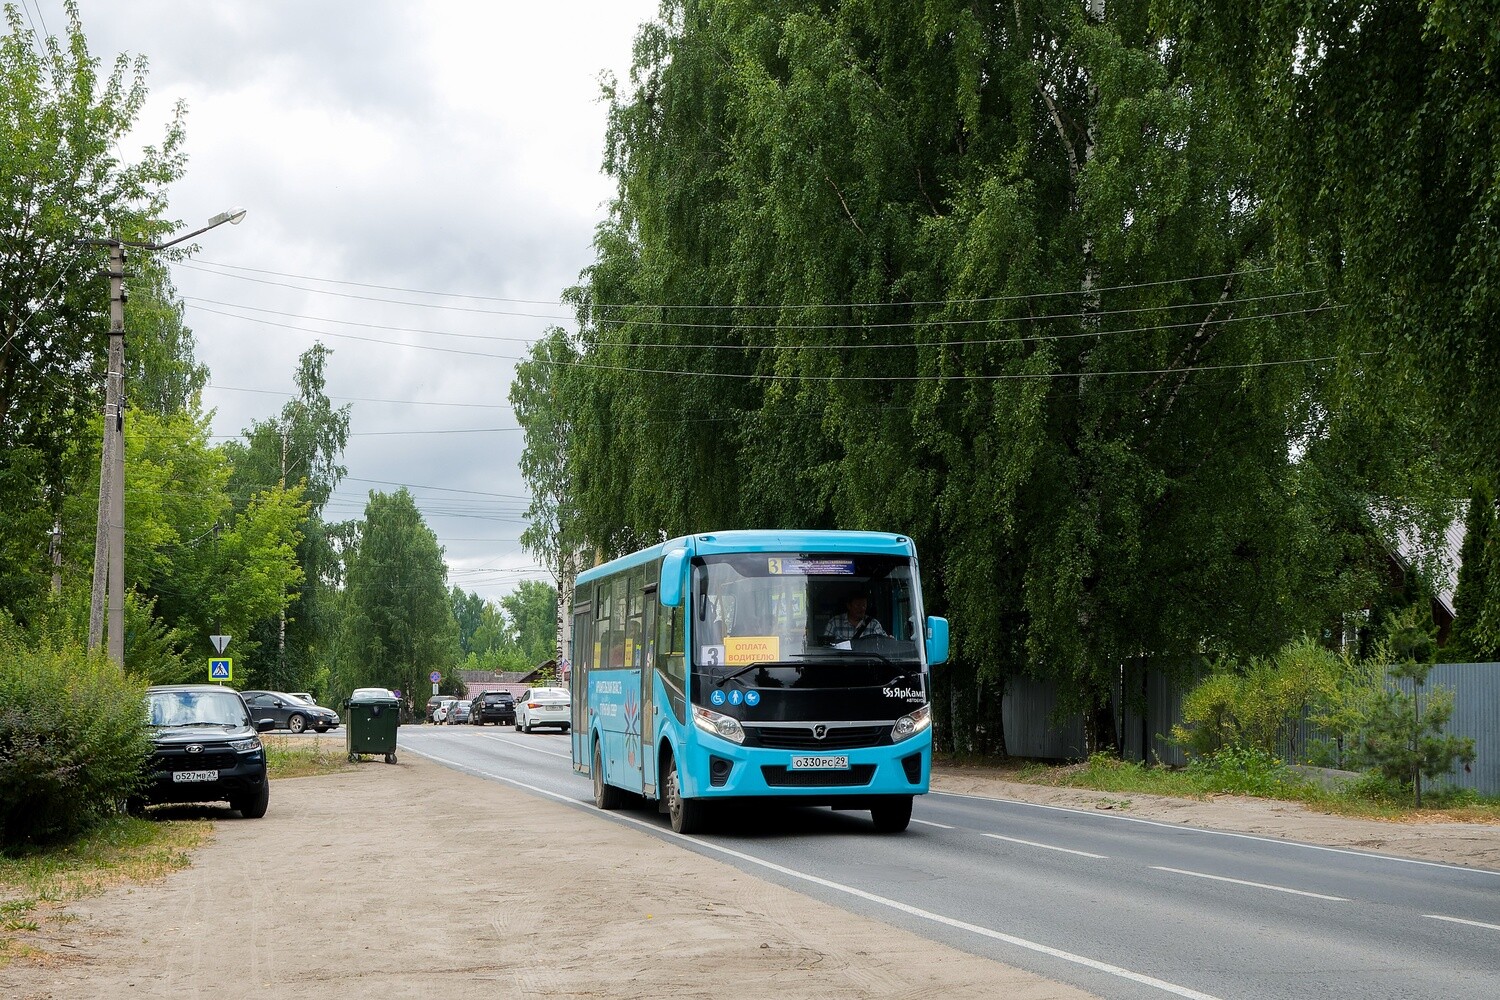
(422,181)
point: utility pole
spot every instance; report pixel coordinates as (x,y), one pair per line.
(109,538)
(56,553)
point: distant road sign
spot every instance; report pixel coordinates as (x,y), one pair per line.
(435,676)
(219,641)
(220,668)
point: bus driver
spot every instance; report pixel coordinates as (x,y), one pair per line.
(855,623)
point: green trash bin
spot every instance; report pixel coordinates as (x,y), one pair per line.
(373,716)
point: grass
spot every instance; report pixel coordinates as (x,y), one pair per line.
(1239,774)
(36,885)
(299,758)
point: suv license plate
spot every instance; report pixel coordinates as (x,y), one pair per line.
(839,763)
(195,776)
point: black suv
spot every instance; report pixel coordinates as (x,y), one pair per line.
(207,749)
(498,707)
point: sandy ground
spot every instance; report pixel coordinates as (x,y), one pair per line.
(412,880)
(407,881)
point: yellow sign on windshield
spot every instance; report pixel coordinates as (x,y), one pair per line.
(743,650)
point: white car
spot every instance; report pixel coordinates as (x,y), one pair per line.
(544,707)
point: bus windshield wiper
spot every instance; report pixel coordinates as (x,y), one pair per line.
(743,670)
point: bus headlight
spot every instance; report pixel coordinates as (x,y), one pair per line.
(910,725)
(719,725)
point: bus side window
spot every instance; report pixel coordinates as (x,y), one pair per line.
(671,660)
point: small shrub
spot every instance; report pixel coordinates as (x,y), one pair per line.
(73,739)
(1245,771)
(1376,787)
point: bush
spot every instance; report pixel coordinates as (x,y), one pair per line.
(73,739)
(1258,705)
(1245,771)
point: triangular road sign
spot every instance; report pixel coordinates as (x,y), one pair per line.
(219,641)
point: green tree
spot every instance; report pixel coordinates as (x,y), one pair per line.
(531,614)
(539,395)
(63,124)
(468,613)
(163,374)
(985,276)
(1404,737)
(203,566)
(1476,602)
(400,622)
(1376,126)
(302,445)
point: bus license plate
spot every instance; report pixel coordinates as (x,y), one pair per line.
(821,763)
(195,776)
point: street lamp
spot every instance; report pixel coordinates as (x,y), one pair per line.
(109,539)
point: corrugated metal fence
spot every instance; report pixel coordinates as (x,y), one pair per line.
(1030,730)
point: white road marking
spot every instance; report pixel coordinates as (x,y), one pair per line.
(1460,920)
(1045,847)
(526,746)
(1116,817)
(926,822)
(938,918)
(1253,885)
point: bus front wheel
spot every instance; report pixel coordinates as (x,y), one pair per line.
(892,815)
(686,815)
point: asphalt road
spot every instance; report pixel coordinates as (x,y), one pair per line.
(1121,907)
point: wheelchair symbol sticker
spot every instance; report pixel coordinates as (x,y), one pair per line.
(717,697)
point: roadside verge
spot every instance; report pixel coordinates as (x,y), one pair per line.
(414,880)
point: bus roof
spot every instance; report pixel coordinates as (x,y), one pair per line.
(747,540)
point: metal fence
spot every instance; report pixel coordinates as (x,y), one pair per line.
(1032,731)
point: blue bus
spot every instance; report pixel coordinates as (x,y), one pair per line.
(751,664)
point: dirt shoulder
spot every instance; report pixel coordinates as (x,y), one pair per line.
(1473,845)
(403,881)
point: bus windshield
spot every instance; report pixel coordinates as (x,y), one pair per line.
(777,618)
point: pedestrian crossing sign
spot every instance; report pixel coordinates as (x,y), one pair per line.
(221,668)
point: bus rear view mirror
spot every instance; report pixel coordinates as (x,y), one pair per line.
(672,566)
(937,641)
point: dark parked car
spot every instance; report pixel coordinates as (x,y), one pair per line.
(498,707)
(206,749)
(289,712)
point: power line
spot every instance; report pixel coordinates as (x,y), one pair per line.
(988,342)
(449,489)
(368,326)
(924,323)
(956,378)
(1019,297)
(363,399)
(364,340)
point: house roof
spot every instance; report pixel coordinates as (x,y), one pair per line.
(1440,567)
(476,682)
